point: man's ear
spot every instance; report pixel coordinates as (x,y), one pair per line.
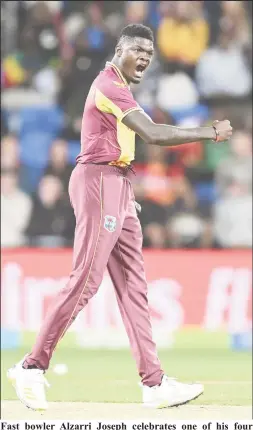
(118,51)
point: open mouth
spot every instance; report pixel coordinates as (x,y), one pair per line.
(139,70)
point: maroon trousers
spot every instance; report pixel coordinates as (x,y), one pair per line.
(108,234)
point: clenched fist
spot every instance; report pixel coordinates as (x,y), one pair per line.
(223,130)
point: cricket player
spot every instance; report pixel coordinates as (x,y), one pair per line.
(108,233)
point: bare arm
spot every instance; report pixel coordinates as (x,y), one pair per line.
(166,135)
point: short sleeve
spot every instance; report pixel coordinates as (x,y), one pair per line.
(117,99)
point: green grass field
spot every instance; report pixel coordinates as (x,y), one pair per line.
(110,375)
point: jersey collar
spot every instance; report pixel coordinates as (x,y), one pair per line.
(108,63)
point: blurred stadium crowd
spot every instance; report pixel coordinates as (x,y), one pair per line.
(195,196)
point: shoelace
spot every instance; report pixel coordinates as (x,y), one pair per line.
(40,378)
(46,382)
(165,378)
(173,381)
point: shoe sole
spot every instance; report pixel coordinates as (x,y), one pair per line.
(165,404)
(12,380)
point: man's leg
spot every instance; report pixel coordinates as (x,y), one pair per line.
(89,191)
(98,201)
(126,268)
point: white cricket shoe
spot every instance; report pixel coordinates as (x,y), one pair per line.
(170,393)
(29,385)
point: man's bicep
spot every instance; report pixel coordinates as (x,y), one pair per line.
(140,123)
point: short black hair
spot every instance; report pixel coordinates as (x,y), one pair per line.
(136,30)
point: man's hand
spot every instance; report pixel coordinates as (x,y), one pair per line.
(137,207)
(223,130)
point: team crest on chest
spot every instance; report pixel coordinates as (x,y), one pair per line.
(110,223)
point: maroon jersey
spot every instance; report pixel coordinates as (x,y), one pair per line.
(104,138)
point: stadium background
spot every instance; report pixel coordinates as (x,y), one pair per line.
(196,200)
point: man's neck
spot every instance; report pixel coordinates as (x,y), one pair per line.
(115,61)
